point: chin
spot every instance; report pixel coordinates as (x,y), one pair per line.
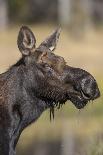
(79,102)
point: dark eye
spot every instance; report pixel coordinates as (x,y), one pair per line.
(48,68)
(46,65)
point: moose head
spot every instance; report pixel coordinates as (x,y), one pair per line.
(51,78)
(39,80)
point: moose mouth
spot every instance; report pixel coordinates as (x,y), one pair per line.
(80,99)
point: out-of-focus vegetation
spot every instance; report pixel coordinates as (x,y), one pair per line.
(77,14)
(17,10)
(32,11)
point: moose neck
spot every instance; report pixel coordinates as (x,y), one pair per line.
(31,106)
(25,106)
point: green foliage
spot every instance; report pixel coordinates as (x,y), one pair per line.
(17,10)
(96,148)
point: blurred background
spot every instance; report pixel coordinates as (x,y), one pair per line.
(72,132)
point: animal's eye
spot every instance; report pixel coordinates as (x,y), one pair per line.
(47,65)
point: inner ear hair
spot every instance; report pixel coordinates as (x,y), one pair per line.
(51,41)
(26,40)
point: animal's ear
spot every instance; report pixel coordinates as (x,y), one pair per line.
(52,40)
(26,41)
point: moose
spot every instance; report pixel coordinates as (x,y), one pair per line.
(40,80)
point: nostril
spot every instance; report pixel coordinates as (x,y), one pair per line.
(90,88)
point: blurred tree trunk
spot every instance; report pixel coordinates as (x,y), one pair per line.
(79,19)
(3,14)
(75,14)
(64,11)
(68,140)
(97,12)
